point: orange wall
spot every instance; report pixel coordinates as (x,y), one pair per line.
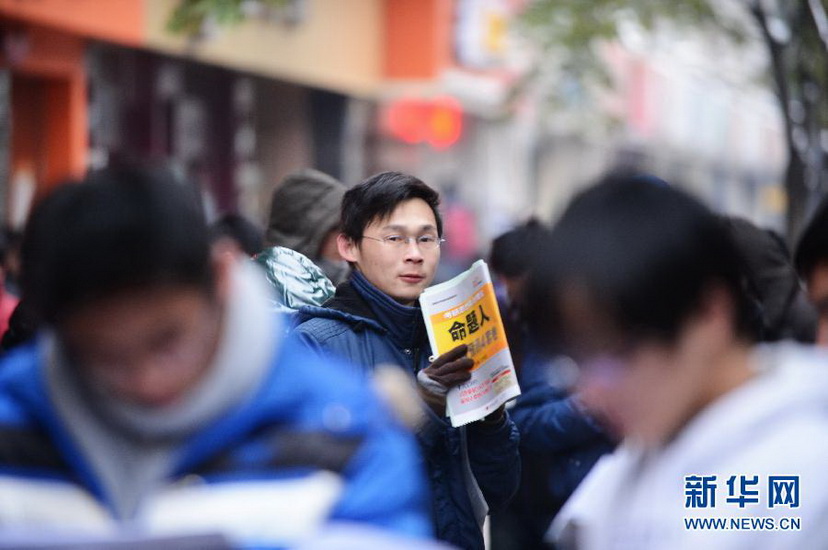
(49,126)
(49,106)
(46,52)
(66,138)
(417,38)
(116,20)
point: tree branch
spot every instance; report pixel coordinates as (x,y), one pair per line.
(820,20)
(779,69)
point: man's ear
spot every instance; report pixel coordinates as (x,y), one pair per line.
(718,307)
(348,249)
(223,257)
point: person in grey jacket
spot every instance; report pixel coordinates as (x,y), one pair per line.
(391,235)
(304,216)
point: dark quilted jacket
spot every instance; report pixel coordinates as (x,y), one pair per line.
(351,328)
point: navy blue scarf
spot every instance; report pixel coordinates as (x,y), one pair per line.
(404,323)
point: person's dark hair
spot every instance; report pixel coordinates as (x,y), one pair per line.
(812,247)
(247,234)
(120,229)
(11,257)
(782,307)
(378,196)
(514,251)
(5,245)
(642,254)
(22,327)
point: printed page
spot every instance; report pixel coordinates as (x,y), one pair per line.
(464,311)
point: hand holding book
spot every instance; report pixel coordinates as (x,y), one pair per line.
(464,326)
(445,372)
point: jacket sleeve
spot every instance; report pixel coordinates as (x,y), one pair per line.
(549,421)
(495,460)
(384,481)
(386,484)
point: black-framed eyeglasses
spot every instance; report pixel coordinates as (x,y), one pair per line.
(423,242)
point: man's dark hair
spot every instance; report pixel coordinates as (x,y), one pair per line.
(244,232)
(514,251)
(812,247)
(120,229)
(644,254)
(378,196)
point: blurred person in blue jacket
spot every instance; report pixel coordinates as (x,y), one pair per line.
(723,441)
(559,440)
(162,397)
(391,235)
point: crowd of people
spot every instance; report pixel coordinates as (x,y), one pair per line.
(171,382)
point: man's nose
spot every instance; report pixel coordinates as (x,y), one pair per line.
(412,251)
(148,383)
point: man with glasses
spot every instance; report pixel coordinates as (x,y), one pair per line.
(391,235)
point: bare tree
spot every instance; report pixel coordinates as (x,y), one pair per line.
(794,33)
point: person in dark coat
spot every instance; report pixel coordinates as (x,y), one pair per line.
(304,216)
(559,440)
(391,232)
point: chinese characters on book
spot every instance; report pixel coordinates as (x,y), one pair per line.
(464,311)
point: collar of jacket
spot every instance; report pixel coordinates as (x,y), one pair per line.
(357,301)
(404,323)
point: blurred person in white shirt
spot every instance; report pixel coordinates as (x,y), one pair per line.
(723,441)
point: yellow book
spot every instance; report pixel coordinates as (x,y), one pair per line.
(464,311)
